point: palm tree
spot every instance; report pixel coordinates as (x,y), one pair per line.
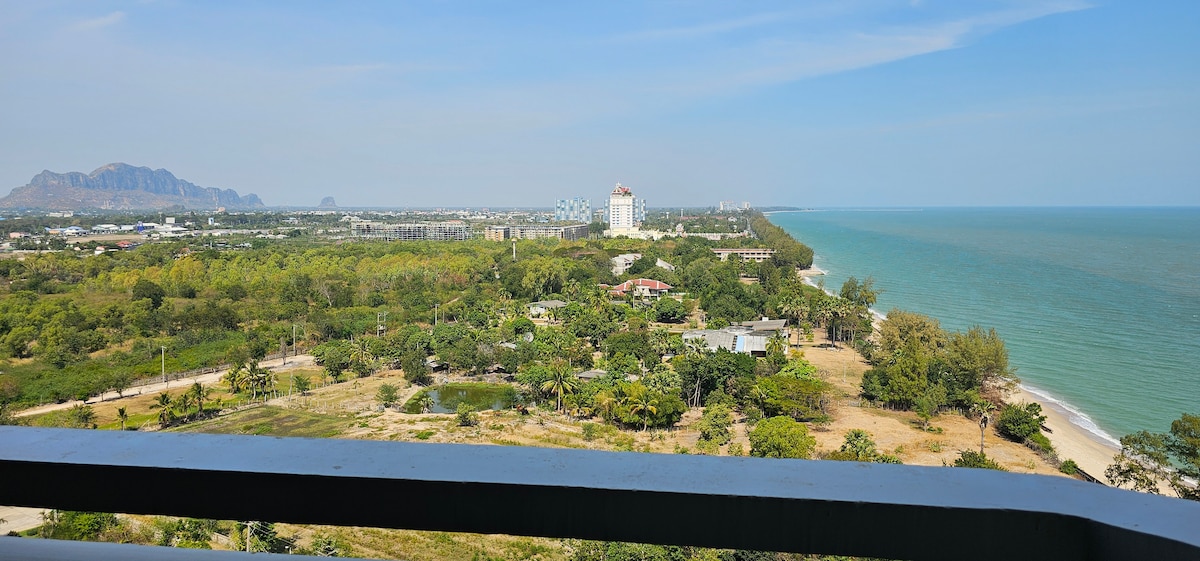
(122,416)
(561,382)
(641,403)
(183,404)
(605,403)
(199,393)
(236,377)
(425,401)
(163,404)
(982,407)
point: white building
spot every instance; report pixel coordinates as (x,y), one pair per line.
(622,209)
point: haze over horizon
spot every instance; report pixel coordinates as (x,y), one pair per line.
(870,103)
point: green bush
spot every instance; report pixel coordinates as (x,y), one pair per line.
(1040,443)
(1019,422)
(970,459)
(1069,467)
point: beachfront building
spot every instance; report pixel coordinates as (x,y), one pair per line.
(433,231)
(757,255)
(543,307)
(577,209)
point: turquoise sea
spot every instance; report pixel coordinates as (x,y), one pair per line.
(1099,307)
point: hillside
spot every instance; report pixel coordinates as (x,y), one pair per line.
(121,187)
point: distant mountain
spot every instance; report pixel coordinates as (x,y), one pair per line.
(122,187)
(327,202)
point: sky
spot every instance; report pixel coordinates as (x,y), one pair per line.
(848,103)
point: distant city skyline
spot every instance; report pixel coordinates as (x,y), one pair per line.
(872,103)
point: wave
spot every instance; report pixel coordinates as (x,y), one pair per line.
(1074,416)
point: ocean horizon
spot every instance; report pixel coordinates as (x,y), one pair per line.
(1099,306)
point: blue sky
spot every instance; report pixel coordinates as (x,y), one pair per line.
(426,103)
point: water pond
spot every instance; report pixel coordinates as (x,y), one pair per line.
(480,396)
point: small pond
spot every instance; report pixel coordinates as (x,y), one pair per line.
(480,396)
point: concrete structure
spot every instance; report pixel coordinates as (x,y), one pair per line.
(623,262)
(438,231)
(570,232)
(642,288)
(577,209)
(747,254)
(496,233)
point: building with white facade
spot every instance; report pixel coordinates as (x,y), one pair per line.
(623,210)
(577,209)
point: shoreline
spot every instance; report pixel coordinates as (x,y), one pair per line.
(1089,447)
(1091,451)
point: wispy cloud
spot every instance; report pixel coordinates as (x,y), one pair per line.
(100,22)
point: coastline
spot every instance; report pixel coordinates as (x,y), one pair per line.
(1089,450)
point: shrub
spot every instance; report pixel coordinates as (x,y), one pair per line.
(590,431)
(1040,443)
(1069,467)
(466,415)
(970,459)
(1019,422)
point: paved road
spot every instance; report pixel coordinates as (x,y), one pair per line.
(277,365)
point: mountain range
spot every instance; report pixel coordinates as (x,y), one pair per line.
(122,187)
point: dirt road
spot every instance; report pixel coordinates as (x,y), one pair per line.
(277,365)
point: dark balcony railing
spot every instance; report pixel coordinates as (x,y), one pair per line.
(902,512)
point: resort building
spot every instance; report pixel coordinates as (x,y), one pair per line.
(577,209)
(434,231)
(757,255)
(543,307)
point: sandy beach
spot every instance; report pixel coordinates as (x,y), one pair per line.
(1072,442)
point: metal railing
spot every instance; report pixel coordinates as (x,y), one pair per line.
(877,510)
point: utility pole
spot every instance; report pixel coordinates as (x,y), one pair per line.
(164,366)
(293,339)
(380,323)
(514,250)
(435,315)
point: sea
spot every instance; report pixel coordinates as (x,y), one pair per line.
(1099,307)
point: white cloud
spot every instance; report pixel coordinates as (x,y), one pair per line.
(100,22)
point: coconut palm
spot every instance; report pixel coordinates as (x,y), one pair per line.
(640,403)
(199,393)
(237,379)
(163,404)
(561,382)
(122,416)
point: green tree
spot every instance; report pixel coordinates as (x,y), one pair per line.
(1150,460)
(1019,422)
(81,416)
(302,384)
(560,383)
(163,403)
(466,416)
(781,437)
(387,395)
(145,289)
(714,424)
(122,416)
(859,447)
(199,393)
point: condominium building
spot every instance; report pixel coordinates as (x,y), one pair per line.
(625,211)
(577,209)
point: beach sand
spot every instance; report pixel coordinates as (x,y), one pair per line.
(1071,441)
